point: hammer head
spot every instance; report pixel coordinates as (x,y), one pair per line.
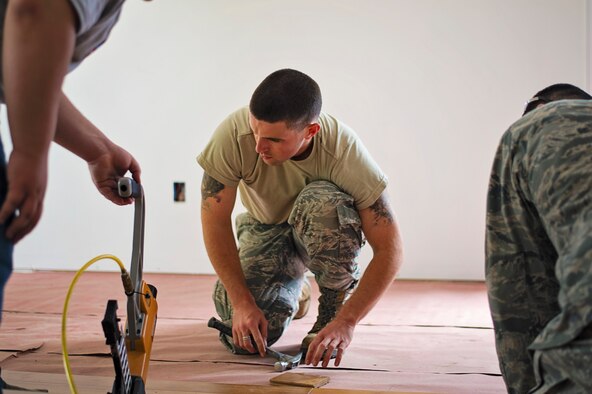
(287,362)
(281,366)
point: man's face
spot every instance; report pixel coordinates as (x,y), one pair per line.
(276,143)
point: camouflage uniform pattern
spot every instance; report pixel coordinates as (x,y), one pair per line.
(539,249)
(565,369)
(323,234)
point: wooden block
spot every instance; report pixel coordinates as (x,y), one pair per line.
(300,379)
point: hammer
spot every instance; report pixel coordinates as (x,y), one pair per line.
(284,362)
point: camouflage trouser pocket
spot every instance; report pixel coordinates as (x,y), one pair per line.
(278,302)
(327,229)
(351,239)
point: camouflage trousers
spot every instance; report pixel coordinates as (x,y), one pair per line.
(323,234)
(523,294)
(564,370)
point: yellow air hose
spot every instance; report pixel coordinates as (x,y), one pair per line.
(125,278)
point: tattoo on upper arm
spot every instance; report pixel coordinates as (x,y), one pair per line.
(210,188)
(381,211)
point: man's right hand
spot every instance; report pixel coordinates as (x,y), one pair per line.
(108,167)
(249,322)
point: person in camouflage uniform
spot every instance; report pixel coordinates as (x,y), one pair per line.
(539,245)
(313,196)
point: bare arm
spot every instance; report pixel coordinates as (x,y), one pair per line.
(216,209)
(107,161)
(381,231)
(38,44)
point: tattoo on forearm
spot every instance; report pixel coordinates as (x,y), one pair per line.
(210,188)
(381,211)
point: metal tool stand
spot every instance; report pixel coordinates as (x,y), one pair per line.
(141,310)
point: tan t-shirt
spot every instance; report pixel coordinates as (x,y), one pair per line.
(268,192)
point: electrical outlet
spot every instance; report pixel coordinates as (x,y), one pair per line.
(179,191)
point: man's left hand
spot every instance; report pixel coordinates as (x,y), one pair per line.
(336,335)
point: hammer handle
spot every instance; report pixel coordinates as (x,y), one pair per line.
(284,361)
(218,325)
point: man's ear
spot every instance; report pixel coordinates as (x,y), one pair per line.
(313,129)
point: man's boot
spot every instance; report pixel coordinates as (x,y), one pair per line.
(330,302)
(304,300)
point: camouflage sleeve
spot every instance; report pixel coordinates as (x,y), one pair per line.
(560,180)
(517,253)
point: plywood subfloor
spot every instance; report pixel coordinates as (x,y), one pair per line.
(55,383)
(432,337)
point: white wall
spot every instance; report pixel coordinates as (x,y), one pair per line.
(429,85)
(589,44)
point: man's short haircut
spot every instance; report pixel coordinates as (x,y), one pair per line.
(288,96)
(558,91)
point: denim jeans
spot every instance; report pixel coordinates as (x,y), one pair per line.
(6,246)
